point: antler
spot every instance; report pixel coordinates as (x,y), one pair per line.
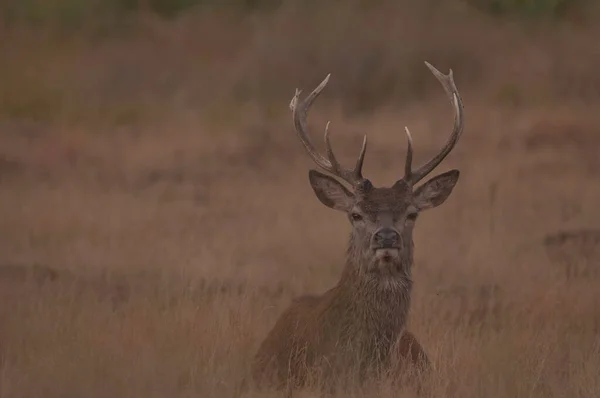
(329,164)
(447,82)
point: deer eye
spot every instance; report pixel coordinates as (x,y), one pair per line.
(411,216)
(356,217)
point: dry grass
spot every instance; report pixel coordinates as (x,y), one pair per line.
(154,224)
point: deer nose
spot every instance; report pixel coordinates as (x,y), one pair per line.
(386,237)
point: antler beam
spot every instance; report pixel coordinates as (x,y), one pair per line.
(447,82)
(330,164)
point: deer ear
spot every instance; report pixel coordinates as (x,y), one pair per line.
(435,191)
(330,191)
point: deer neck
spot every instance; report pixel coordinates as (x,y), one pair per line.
(380,298)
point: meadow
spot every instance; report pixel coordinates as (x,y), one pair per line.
(156,215)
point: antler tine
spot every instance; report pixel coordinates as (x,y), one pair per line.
(361,158)
(409,155)
(449,86)
(329,164)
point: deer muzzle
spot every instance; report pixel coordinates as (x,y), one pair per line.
(385,239)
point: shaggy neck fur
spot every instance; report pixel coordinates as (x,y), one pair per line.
(365,273)
(379,300)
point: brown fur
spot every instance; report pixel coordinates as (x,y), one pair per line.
(357,328)
(352,329)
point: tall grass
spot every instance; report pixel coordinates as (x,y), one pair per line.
(144,141)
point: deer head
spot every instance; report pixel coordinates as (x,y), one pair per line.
(382,219)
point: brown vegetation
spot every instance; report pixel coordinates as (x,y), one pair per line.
(151,178)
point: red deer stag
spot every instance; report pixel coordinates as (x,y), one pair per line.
(358,328)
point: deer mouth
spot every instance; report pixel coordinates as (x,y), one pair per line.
(386,253)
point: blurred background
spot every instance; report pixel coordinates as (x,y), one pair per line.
(156,215)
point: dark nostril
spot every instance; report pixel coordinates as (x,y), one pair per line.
(387,233)
(386,237)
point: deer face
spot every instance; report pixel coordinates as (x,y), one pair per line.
(382,218)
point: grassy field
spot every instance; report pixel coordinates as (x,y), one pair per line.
(156,215)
